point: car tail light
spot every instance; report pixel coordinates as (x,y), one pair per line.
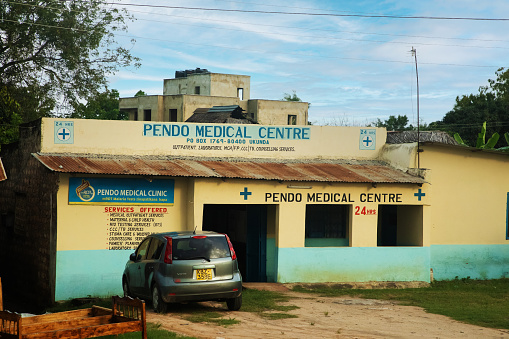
(199,237)
(168,255)
(232,251)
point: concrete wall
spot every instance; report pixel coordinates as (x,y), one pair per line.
(154,103)
(362,260)
(27,223)
(470,219)
(211,84)
(89,260)
(192,102)
(273,112)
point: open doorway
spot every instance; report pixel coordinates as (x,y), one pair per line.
(400,225)
(246,225)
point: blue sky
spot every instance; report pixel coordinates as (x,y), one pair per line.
(353,70)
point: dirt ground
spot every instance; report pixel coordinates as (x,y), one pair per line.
(325,317)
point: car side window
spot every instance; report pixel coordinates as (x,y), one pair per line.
(141,252)
(155,249)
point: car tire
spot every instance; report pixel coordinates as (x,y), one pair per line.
(234,304)
(157,301)
(125,287)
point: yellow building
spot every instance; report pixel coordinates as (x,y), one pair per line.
(199,89)
(300,203)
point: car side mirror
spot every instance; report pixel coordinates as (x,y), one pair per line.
(132,257)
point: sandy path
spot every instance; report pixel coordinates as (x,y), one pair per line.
(324,317)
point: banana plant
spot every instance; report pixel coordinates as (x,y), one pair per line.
(506,148)
(481,139)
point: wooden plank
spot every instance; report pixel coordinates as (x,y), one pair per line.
(88,332)
(11,316)
(128,301)
(76,314)
(10,324)
(65,324)
(99,310)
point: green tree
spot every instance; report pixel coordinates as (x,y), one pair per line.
(103,106)
(10,117)
(490,105)
(54,54)
(291,97)
(140,93)
(394,123)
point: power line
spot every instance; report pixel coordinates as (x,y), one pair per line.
(315,29)
(333,38)
(260,51)
(292,27)
(382,16)
(325,38)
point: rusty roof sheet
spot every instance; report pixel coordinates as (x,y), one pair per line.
(296,170)
(3,175)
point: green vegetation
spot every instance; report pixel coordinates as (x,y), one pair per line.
(477,302)
(54,55)
(265,302)
(490,104)
(204,316)
(153,332)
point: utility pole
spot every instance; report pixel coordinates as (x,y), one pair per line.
(414,53)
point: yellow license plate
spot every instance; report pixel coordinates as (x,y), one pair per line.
(204,274)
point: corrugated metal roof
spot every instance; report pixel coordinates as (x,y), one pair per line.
(3,175)
(305,170)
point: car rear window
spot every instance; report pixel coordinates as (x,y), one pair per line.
(200,247)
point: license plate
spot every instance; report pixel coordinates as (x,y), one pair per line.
(204,274)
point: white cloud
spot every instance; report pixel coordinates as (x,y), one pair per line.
(331,62)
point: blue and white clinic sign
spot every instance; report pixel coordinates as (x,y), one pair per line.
(226,131)
(64,132)
(367,140)
(109,191)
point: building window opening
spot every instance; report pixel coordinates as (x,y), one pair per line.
(400,225)
(197,90)
(135,118)
(327,225)
(292,119)
(240,93)
(173,115)
(147,115)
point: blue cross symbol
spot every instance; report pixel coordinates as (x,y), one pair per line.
(63,134)
(420,194)
(367,140)
(245,193)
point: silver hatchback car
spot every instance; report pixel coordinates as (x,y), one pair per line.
(184,266)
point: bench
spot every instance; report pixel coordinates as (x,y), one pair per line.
(127,315)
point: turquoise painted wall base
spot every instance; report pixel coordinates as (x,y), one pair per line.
(96,273)
(474,261)
(353,264)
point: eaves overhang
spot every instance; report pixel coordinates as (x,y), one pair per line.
(257,169)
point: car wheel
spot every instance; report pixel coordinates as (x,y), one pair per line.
(234,304)
(125,287)
(157,301)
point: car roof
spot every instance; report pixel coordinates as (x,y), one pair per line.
(185,234)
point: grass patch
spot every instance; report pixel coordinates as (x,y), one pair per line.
(277,315)
(210,317)
(259,301)
(478,302)
(153,332)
